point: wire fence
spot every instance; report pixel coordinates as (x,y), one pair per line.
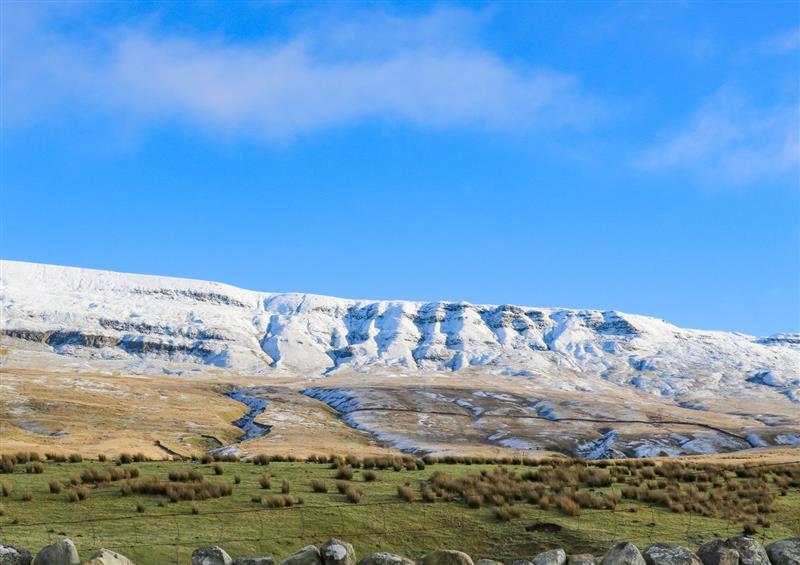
(172,536)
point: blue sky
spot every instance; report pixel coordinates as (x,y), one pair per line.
(633,156)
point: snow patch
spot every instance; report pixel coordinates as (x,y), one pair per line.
(159,323)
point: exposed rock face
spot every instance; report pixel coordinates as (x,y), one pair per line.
(488,562)
(337,552)
(446,557)
(14,555)
(309,555)
(581,559)
(123,322)
(385,558)
(624,553)
(63,552)
(254,561)
(718,553)
(786,552)
(211,555)
(130,317)
(669,554)
(108,557)
(750,551)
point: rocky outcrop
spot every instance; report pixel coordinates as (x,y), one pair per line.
(669,554)
(211,555)
(717,552)
(446,557)
(739,550)
(14,555)
(178,321)
(108,557)
(62,552)
(624,553)
(750,551)
(786,552)
(385,558)
(337,552)
(552,557)
(309,555)
(581,559)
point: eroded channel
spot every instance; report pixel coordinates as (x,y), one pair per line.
(247,423)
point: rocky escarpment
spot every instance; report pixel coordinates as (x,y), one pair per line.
(134,319)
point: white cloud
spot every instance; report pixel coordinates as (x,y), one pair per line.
(420,72)
(727,140)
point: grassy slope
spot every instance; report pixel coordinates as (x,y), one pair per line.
(169,533)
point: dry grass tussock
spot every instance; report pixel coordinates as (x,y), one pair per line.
(175,491)
(127,458)
(108,475)
(34,467)
(731,492)
(282,501)
(353,494)
(406,493)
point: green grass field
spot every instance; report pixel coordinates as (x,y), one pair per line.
(167,532)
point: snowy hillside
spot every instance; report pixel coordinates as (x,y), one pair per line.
(167,322)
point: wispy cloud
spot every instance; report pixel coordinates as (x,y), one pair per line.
(730,141)
(420,72)
(781,43)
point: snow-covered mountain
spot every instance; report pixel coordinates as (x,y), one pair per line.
(161,321)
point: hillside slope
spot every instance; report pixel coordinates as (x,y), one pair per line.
(436,377)
(168,321)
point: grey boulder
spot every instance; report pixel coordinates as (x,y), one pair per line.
(108,557)
(717,553)
(581,559)
(62,552)
(750,551)
(14,555)
(488,562)
(552,557)
(254,561)
(786,552)
(385,558)
(211,555)
(337,552)
(624,553)
(669,554)
(446,557)
(309,555)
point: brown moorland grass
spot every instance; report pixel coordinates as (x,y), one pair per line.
(544,485)
(406,493)
(353,494)
(723,491)
(118,399)
(344,472)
